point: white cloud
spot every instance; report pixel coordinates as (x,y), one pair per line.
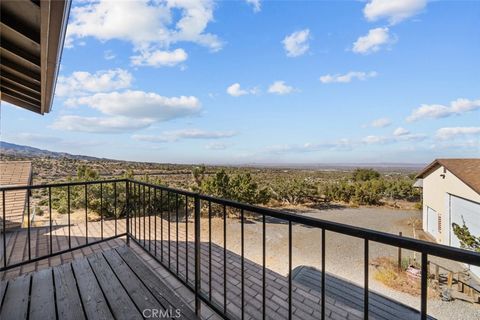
(82,82)
(400,132)
(235,90)
(185,134)
(373,41)
(453,132)
(100,125)
(256,4)
(50,142)
(159,58)
(411,137)
(381,123)
(148,25)
(372,139)
(435,111)
(140,105)
(216,146)
(36,138)
(347,77)
(341,144)
(393,10)
(109,55)
(279,87)
(296,44)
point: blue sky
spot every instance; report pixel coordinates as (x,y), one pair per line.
(264,82)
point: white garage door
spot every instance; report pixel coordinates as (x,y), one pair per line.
(432,222)
(464,210)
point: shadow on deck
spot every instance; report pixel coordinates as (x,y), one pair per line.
(114,284)
(221,280)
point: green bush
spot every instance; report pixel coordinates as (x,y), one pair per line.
(294,191)
(365,174)
(239,187)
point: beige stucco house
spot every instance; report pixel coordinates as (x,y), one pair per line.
(451,194)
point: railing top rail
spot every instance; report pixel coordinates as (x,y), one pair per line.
(434,249)
(58,185)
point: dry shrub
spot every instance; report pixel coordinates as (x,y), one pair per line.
(388,274)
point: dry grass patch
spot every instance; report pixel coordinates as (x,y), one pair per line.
(388,273)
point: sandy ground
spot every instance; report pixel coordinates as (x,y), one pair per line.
(344,254)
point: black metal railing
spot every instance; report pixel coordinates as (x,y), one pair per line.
(54,236)
(152,212)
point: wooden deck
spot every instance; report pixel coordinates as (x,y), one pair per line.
(114,284)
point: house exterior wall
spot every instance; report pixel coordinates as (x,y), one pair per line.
(435,196)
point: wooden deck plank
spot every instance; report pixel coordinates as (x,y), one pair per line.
(350,297)
(94,301)
(3,287)
(160,289)
(42,296)
(121,304)
(15,304)
(68,301)
(134,286)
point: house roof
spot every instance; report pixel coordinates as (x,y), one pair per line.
(31,44)
(15,173)
(467,170)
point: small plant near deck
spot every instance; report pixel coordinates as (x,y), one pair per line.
(387,273)
(467,240)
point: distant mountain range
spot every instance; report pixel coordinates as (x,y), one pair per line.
(11,149)
(7,148)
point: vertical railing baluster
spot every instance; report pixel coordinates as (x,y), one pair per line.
(197,256)
(424,286)
(186,237)
(4,223)
(225,259)
(138,216)
(264,262)
(365,286)
(169,218)
(115,205)
(50,218)
(242,244)
(155,207)
(127,205)
(69,218)
(144,218)
(86,214)
(137,213)
(135,205)
(101,210)
(161,224)
(209,251)
(323,274)
(149,219)
(290,269)
(28,226)
(176,231)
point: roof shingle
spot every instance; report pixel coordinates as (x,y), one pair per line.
(467,170)
(15,173)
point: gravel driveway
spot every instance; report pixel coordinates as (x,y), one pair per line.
(344,254)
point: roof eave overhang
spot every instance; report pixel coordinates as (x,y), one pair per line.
(32,38)
(54,19)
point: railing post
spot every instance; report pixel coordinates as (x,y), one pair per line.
(197,255)
(127,201)
(424,287)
